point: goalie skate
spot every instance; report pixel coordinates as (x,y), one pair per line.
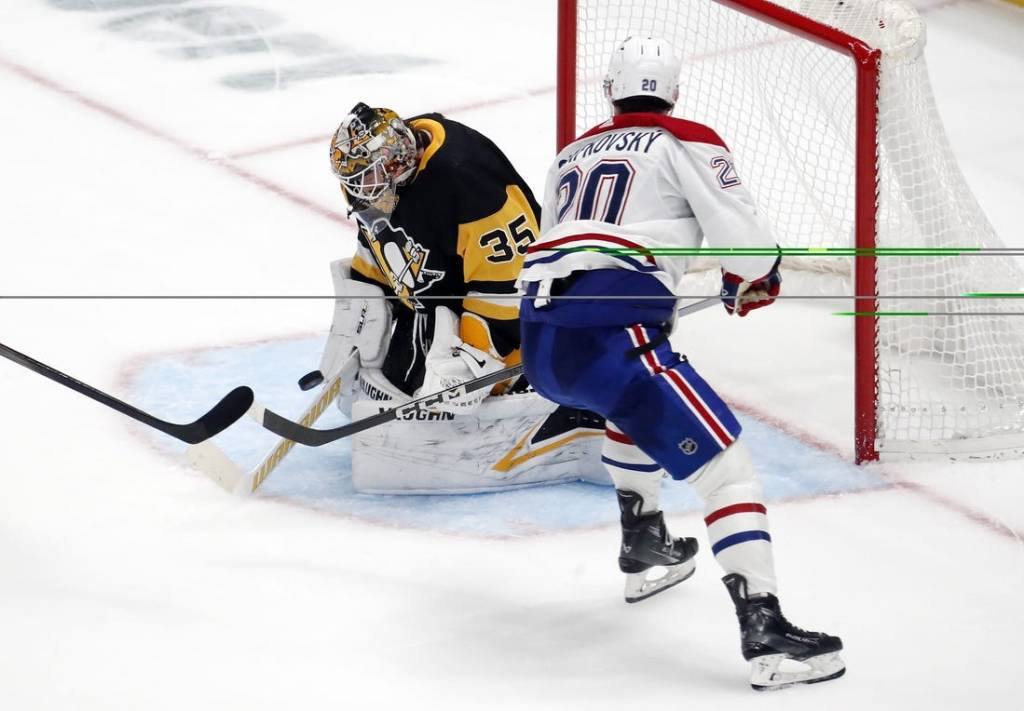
(648,547)
(769,640)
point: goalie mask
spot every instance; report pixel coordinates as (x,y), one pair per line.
(372,153)
(643,66)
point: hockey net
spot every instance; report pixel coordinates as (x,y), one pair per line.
(827,108)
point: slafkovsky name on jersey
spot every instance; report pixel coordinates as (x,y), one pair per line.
(625,141)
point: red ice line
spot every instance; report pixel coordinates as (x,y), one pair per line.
(178,143)
(273,148)
(894,482)
(224,164)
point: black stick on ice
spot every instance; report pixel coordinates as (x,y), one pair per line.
(221,416)
(311,437)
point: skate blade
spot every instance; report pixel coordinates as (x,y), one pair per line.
(638,587)
(765,674)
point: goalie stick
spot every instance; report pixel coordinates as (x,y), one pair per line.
(315,438)
(231,407)
(208,458)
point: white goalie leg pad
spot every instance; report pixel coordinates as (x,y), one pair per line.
(503,445)
(736,517)
(630,469)
(369,384)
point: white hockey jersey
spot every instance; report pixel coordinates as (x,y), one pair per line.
(640,181)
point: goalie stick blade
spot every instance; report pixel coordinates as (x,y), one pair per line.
(209,459)
(222,415)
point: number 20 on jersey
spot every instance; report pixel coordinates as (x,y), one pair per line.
(599,194)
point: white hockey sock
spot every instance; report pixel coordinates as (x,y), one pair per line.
(630,468)
(736,518)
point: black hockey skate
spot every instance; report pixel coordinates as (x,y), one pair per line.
(646,543)
(768,639)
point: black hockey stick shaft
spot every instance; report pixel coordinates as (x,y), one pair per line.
(311,437)
(231,408)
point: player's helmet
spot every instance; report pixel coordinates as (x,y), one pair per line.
(372,152)
(643,66)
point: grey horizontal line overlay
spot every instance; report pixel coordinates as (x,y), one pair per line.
(489,297)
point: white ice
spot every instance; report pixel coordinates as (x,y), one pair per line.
(131,582)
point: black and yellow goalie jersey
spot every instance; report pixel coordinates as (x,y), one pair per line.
(456,237)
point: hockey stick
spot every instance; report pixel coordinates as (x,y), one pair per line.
(208,458)
(315,438)
(310,437)
(221,416)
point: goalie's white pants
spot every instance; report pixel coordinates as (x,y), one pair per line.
(501,445)
(734,509)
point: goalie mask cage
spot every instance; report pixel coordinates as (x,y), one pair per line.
(828,111)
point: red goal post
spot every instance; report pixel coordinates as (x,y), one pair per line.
(924,389)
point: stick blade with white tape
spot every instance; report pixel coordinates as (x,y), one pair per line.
(210,459)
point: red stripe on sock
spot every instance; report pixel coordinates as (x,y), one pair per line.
(734,509)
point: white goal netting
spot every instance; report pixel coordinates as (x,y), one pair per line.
(948,382)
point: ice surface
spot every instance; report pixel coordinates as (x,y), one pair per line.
(321,477)
(152,147)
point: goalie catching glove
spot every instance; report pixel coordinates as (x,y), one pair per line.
(740,297)
(450,362)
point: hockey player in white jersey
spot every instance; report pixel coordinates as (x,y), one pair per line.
(639,181)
